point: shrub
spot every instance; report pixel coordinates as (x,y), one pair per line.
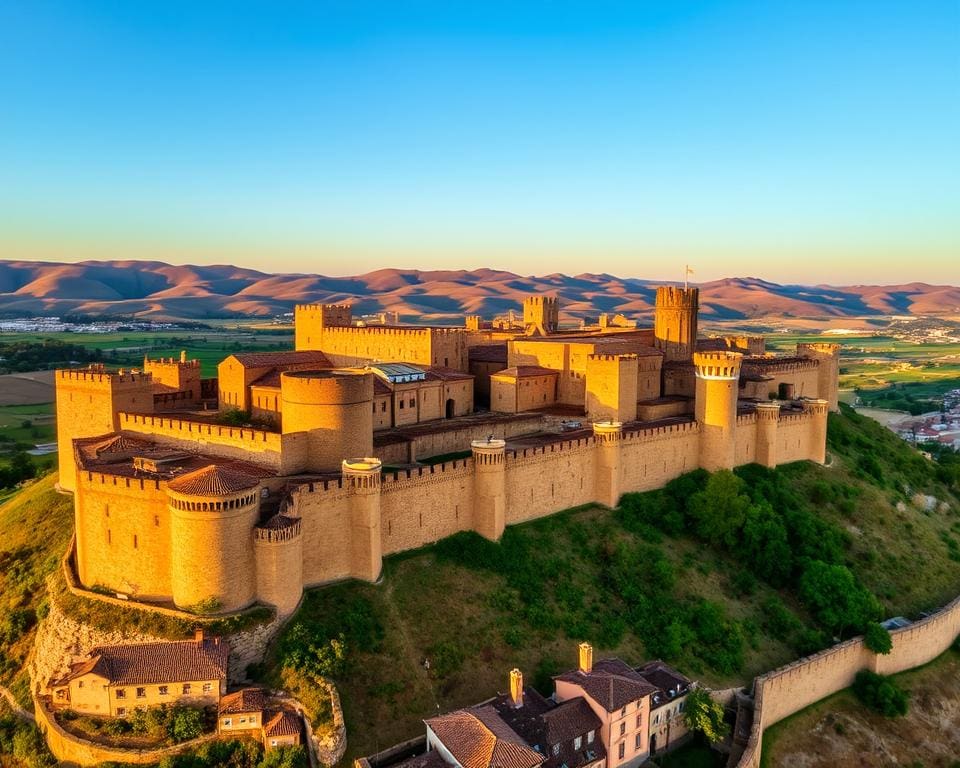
(704,715)
(836,598)
(881,694)
(185,723)
(877,638)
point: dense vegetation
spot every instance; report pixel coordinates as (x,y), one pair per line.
(22,356)
(235,753)
(725,575)
(914,397)
(155,726)
(18,468)
(881,693)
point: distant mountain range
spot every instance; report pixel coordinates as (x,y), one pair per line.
(152,289)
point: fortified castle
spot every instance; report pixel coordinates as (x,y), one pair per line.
(174,506)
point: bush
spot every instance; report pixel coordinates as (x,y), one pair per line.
(877,638)
(881,694)
(836,598)
(185,723)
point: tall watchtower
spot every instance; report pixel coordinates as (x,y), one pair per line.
(88,401)
(309,320)
(541,313)
(675,322)
(828,372)
(718,384)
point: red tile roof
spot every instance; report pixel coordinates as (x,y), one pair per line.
(525,371)
(213,480)
(245,700)
(479,738)
(612,683)
(279,359)
(283,723)
(160,662)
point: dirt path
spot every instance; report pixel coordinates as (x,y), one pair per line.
(17,709)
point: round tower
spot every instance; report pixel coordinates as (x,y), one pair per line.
(768,417)
(278,551)
(718,381)
(490,487)
(607,438)
(675,321)
(362,476)
(818,410)
(213,512)
(334,408)
(828,372)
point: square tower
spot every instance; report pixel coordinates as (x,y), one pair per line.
(541,313)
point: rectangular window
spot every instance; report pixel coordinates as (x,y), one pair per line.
(108,536)
(207,687)
(134,541)
(621,749)
(80,684)
(243,720)
(413,403)
(121,694)
(141,693)
(578,742)
(156,520)
(638,721)
(253,719)
(383,407)
(401,405)
(186,689)
(623,728)
(623,712)
(164,690)
(637,741)
(227,722)
(590,737)
(121,710)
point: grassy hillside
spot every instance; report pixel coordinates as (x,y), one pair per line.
(35,525)
(642,581)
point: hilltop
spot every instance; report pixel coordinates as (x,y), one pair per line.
(153,289)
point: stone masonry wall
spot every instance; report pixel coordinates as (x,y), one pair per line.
(787,690)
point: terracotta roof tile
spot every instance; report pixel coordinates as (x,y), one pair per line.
(612,683)
(283,723)
(244,700)
(160,662)
(524,371)
(279,359)
(479,738)
(213,480)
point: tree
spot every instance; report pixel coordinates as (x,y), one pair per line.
(186,723)
(704,715)
(764,544)
(880,693)
(877,638)
(285,757)
(720,509)
(836,598)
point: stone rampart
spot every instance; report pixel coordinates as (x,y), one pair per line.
(73,750)
(191,436)
(789,689)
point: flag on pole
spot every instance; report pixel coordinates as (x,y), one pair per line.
(686,274)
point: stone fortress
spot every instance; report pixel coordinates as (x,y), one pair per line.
(174,506)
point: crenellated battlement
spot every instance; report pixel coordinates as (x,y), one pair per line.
(721,364)
(675,296)
(611,358)
(822,347)
(288,530)
(145,423)
(99,375)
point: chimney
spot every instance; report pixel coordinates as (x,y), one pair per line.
(198,635)
(516,688)
(183,355)
(586,658)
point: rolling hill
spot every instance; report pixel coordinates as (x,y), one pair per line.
(153,289)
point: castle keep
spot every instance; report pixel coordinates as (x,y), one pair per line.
(176,504)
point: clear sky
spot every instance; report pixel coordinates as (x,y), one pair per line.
(801,141)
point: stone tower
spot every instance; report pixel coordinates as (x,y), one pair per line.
(362,476)
(490,487)
(718,383)
(278,551)
(828,373)
(608,437)
(541,314)
(88,401)
(675,322)
(213,512)
(309,320)
(335,409)
(768,418)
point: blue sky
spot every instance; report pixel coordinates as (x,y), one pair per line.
(797,141)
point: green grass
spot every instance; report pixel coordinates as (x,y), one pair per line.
(35,525)
(476,609)
(692,755)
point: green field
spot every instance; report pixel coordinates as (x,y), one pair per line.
(41,429)
(208,346)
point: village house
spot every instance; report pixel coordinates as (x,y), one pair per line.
(248,712)
(601,715)
(114,680)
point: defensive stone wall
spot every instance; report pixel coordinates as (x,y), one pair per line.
(190,436)
(789,689)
